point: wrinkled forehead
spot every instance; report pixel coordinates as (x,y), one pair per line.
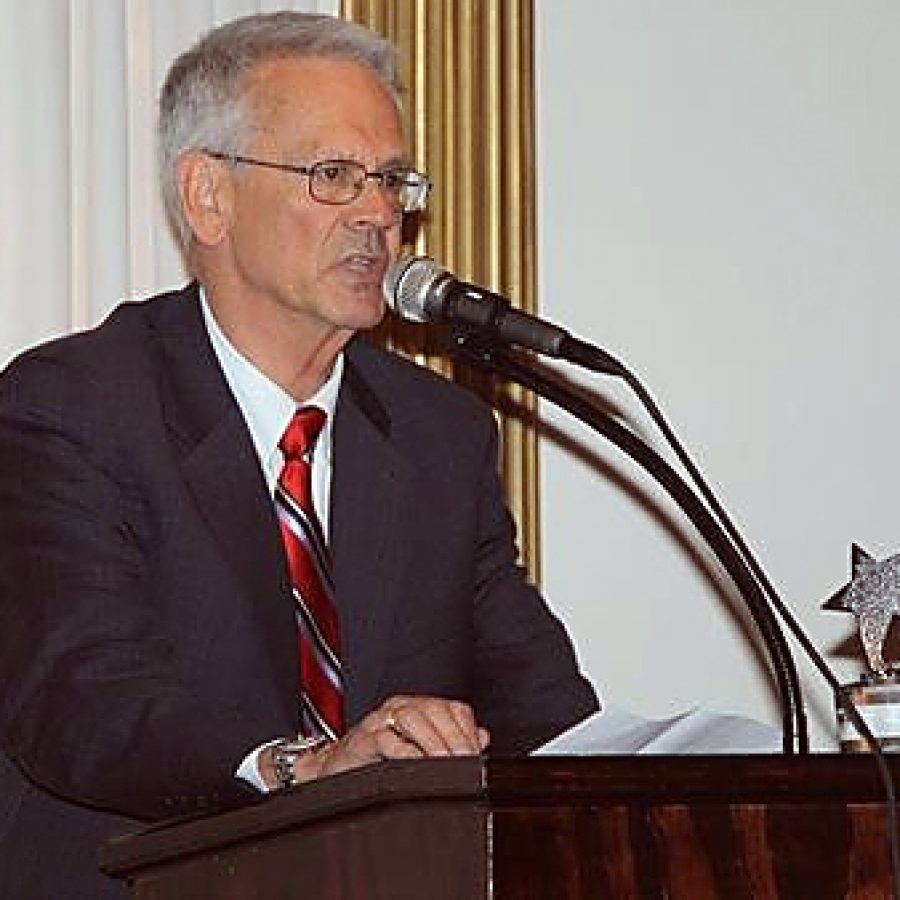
(323,100)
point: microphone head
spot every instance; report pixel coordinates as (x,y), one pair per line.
(408,283)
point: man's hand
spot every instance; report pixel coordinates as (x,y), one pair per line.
(402,727)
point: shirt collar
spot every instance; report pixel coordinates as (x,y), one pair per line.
(267,407)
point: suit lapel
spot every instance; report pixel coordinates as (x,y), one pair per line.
(371,490)
(222,471)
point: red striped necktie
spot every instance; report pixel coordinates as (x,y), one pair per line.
(309,565)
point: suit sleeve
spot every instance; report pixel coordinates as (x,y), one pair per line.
(528,687)
(93,708)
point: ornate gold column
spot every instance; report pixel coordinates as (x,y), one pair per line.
(468,70)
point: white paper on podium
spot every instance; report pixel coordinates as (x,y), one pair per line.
(615,731)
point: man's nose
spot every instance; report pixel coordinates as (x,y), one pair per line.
(375,205)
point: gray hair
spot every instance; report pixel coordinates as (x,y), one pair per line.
(203,103)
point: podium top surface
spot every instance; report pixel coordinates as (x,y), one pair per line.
(594,780)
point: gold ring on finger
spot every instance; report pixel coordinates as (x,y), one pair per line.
(392,724)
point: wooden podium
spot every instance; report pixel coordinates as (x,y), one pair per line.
(548,827)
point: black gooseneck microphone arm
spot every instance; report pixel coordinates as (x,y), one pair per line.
(472,347)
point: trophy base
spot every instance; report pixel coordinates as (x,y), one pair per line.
(877,697)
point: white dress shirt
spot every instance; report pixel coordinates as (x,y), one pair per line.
(267,410)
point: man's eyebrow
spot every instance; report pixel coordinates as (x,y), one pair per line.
(397,162)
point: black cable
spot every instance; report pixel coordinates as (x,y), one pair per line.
(594,359)
(586,355)
(473,350)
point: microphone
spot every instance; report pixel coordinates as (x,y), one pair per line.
(417,288)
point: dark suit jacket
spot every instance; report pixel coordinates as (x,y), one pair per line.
(148,638)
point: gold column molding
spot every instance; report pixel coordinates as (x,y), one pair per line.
(468,69)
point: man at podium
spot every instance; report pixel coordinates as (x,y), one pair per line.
(240,546)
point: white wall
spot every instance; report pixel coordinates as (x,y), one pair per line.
(719,205)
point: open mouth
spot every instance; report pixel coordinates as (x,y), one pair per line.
(365,266)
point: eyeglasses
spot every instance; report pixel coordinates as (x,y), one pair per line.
(338,182)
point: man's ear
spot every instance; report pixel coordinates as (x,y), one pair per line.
(205,188)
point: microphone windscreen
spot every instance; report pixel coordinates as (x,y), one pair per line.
(407,283)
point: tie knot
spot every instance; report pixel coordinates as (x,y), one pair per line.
(301,433)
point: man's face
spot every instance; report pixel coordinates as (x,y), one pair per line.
(300,262)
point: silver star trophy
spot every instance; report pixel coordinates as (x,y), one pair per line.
(873,596)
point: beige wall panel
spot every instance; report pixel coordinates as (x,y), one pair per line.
(468,69)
